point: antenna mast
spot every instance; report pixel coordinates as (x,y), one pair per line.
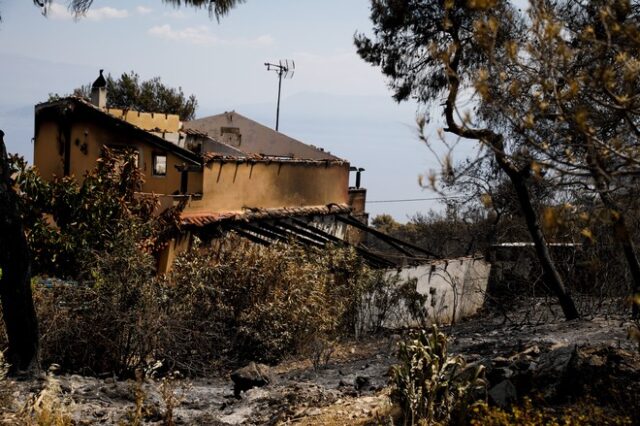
(285,68)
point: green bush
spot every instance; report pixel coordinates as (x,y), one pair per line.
(230,303)
(70,224)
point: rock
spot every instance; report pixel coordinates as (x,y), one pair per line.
(362,383)
(313,412)
(250,376)
(523,364)
(503,394)
(470,372)
(498,375)
(611,374)
(552,366)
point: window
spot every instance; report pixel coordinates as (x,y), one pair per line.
(159,165)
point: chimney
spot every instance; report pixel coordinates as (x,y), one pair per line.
(99,91)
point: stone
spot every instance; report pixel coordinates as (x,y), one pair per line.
(497,375)
(552,366)
(362,383)
(503,394)
(250,376)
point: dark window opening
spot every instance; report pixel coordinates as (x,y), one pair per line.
(184,181)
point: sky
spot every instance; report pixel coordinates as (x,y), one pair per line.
(334,100)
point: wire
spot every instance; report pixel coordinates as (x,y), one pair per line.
(407,200)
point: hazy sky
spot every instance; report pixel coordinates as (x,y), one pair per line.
(334,100)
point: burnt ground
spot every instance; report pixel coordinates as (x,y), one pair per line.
(553,361)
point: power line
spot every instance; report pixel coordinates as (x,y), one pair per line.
(407,200)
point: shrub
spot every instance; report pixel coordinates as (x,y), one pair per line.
(71,224)
(6,387)
(526,414)
(233,302)
(393,302)
(265,303)
(430,386)
(218,307)
(104,325)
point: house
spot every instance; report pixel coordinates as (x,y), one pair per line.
(229,170)
(234,175)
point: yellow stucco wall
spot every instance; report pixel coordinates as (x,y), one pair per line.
(225,185)
(178,245)
(49,156)
(148,120)
(231,186)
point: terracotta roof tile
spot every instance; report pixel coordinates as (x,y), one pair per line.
(202,219)
(254,158)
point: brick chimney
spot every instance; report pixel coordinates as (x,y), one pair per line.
(99,91)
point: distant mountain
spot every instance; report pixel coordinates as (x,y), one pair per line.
(26,81)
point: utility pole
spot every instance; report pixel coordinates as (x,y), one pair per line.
(285,69)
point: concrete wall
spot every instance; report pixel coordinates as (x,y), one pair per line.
(86,142)
(454,289)
(235,185)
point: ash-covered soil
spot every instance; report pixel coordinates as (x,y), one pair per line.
(557,361)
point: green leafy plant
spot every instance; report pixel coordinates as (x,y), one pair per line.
(430,386)
(71,223)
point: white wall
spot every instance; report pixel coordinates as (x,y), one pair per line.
(454,289)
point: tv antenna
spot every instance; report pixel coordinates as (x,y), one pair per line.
(285,68)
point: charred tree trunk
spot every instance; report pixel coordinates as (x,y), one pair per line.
(619,225)
(623,236)
(517,176)
(552,277)
(15,283)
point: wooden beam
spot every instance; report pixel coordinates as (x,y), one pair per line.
(381,235)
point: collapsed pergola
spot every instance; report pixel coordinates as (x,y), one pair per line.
(301,225)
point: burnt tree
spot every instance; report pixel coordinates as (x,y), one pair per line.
(15,282)
(434,49)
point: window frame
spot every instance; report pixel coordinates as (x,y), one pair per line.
(154,162)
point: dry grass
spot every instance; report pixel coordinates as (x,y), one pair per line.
(366,410)
(48,407)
